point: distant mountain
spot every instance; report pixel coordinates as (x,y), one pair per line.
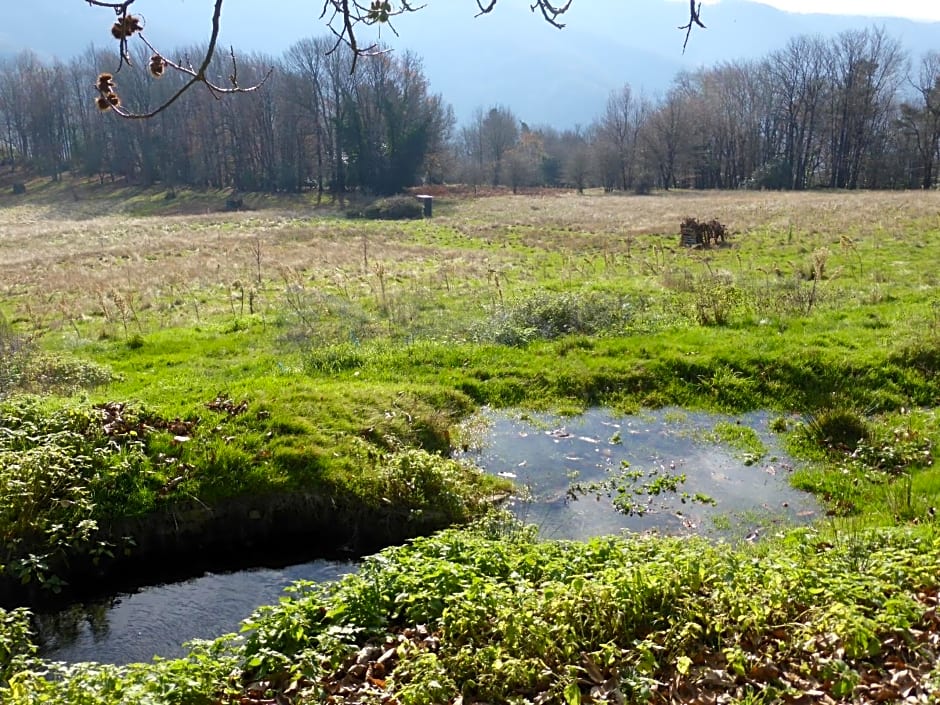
(510,57)
(564,77)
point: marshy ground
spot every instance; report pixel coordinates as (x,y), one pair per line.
(288,351)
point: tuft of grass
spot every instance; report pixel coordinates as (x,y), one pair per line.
(742,439)
(837,430)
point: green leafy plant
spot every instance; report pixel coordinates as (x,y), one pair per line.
(546,316)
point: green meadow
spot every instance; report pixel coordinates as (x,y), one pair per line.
(159,356)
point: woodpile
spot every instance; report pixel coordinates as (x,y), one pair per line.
(692,233)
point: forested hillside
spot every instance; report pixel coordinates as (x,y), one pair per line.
(853,111)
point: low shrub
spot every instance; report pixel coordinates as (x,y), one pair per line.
(15,641)
(392,208)
(58,374)
(23,368)
(15,353)
(423,481)
(547,315)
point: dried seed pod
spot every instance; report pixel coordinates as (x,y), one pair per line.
(157,65)
(125,27)
(105,83)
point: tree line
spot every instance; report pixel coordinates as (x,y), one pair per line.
(851,111)
(315,125)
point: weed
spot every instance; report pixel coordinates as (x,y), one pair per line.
(546,316)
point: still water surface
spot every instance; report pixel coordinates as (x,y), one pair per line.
(552,455)
(157,620)
(548,455)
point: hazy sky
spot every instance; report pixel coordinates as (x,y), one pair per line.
(912,9)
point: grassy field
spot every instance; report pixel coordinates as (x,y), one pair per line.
(296,351)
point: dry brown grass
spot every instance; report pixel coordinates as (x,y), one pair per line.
(835,213)
(59,266)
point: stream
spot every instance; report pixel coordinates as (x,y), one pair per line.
(157,620)
(667,473)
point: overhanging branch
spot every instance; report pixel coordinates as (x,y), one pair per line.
(344,18)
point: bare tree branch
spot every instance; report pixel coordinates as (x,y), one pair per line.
(126,26)
(344,18)
(549,12)
(693,20)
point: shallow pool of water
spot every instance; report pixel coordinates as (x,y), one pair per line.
(569,465)
(157,620)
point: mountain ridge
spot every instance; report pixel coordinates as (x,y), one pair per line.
(510,57)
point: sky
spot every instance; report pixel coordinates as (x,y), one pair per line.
(928,10)
(257,25)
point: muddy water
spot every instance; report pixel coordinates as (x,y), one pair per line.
(567,467)
(572,468)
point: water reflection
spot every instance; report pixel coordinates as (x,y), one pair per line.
(157,620)
(545,454)
(551,455)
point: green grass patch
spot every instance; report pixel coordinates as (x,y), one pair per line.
(742,439)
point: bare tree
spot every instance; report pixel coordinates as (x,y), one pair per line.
(499,134)
(666,134)
(866,69)
(799,82)
(921,121)
(619,129)
(578,164)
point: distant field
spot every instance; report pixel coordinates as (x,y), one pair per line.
(71,265)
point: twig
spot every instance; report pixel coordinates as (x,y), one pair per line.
(198,75)
(693,20)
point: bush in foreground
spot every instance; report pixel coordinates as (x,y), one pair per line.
(493,615)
